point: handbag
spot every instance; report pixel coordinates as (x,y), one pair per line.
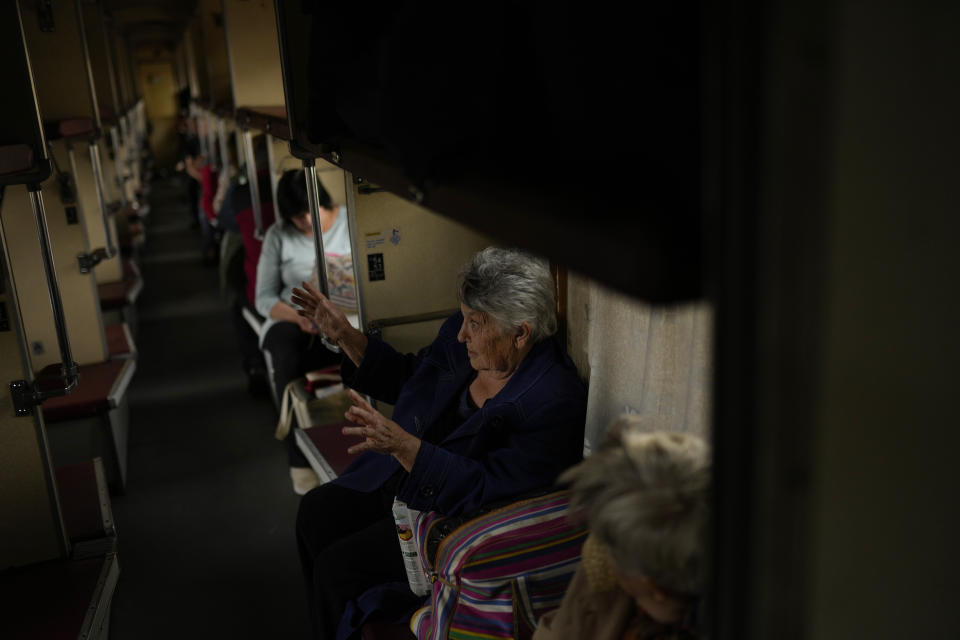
(494,575)
(317,398)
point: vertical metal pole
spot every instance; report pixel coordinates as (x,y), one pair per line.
(72,159)
(98,180)
(224,155)
(115,141)
(310,173)
(355,246)
(91,85)
(125,133)
(272,161)
(254,183)
(53,287)
(241,148)
(109,52)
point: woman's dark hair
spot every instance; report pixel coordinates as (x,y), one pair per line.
(292,195)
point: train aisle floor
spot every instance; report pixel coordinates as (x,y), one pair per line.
(206,527)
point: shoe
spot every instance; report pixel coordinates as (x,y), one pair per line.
(304,479)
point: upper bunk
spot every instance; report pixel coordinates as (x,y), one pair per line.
(580,140)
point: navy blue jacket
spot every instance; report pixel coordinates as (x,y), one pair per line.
(520,440)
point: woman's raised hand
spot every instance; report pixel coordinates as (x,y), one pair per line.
(315,306)
(380,434)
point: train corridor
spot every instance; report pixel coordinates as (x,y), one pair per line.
(206,525)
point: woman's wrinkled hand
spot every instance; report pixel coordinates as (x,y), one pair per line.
(380,434)
(315,306)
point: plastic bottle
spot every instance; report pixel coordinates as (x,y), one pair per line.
(403,518)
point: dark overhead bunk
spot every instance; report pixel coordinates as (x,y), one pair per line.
(565,131)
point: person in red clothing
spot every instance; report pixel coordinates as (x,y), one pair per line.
(244,278)
(211,235)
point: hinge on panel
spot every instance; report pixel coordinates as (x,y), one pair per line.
(88,261)
(26,396)
(364,188)
(22,395)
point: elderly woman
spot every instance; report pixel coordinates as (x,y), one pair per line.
(491,409)
(645,498)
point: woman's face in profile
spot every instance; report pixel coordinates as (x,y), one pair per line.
(488,348)
(303,222)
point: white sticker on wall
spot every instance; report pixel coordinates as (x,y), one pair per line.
(377,239)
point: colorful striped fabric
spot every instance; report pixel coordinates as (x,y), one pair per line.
(495,575)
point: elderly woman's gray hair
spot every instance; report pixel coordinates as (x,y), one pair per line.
(511,287)
(645,497)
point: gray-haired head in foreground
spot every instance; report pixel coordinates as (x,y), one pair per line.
(646,499)
(511,287)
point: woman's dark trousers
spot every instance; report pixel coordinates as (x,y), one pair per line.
(292,354)
(348,543)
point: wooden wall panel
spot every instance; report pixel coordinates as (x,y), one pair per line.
(97,45)
(57,60)
(81,304)
(28,528)
(420,266)
(110,270)
(215,51)
(31,529)
(254,52)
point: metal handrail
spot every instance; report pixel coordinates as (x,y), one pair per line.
(111,248)
(310,175)
(254,183)
(118,162)
(88,258)
(376,326)
(88,68)
(25,395)
(354,233)
(222,135)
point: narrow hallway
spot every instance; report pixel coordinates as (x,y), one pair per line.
(206,542)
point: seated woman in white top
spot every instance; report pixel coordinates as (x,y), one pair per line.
(290,342)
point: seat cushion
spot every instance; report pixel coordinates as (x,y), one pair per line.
(90,398)
(118,340)
(48,600)
(332,444)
